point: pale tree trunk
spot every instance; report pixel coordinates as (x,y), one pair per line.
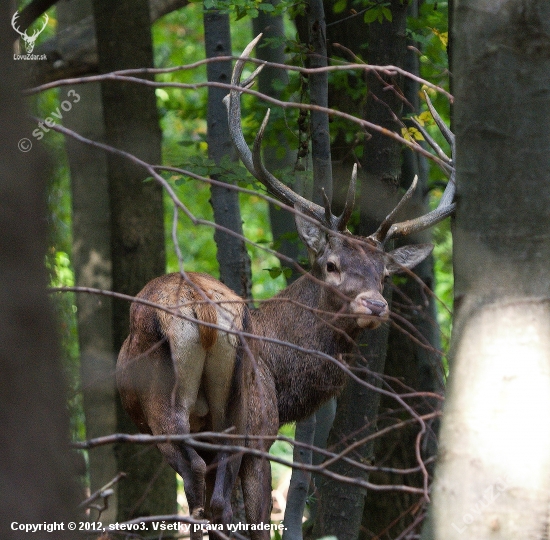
(231,251)
(282,225)
(91,258)
(37,467)
(493,474)
(137,223)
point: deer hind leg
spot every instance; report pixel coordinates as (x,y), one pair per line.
(188,464)
(188,358)
(170,411)
(222,369)
(227,470)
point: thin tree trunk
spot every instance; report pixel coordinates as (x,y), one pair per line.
(270,80)
(314,35)
(231,253)
(91,258)
(493,473)
(312,30)
(137,222)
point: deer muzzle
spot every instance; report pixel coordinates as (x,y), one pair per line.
(371,309)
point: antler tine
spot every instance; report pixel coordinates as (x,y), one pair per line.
(424,222)
(381,235)
(343,219)
(252,160)
(446,132)
(233,104)
(436,148)
(46,19)
(446,206)
(444,209)
(326,201)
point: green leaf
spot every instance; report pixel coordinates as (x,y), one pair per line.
(339,6)
(370,15)
(387,13)
(274,272)
(268,8)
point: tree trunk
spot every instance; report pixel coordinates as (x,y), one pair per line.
(313,34)
(340,507)
(91,258)
(231,253)
(493,474)
(37,469)
(137,231)
(270,79)
(415,364)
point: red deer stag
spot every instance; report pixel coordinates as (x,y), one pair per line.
(208,363)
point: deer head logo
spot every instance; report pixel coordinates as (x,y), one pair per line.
(29,40)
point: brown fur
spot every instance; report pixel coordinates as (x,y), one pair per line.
(179,375)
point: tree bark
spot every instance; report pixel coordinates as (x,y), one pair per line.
(231,253)
(493,474)
(137,222)
(416,365)
(91,258)
(270,80)
(313,34)
(340,507)
(37,469)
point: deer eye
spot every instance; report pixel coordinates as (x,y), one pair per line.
(331,267)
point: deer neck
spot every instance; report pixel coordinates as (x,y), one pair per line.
(303,379)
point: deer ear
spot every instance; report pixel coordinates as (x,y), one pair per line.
(310,233)
(406,257)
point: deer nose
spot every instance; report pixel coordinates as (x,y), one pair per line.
(375,306)
(371,311)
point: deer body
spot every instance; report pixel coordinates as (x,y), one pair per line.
(176,375)
(198,359)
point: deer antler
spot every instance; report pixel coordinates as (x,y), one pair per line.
(252,160)
(388,229)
